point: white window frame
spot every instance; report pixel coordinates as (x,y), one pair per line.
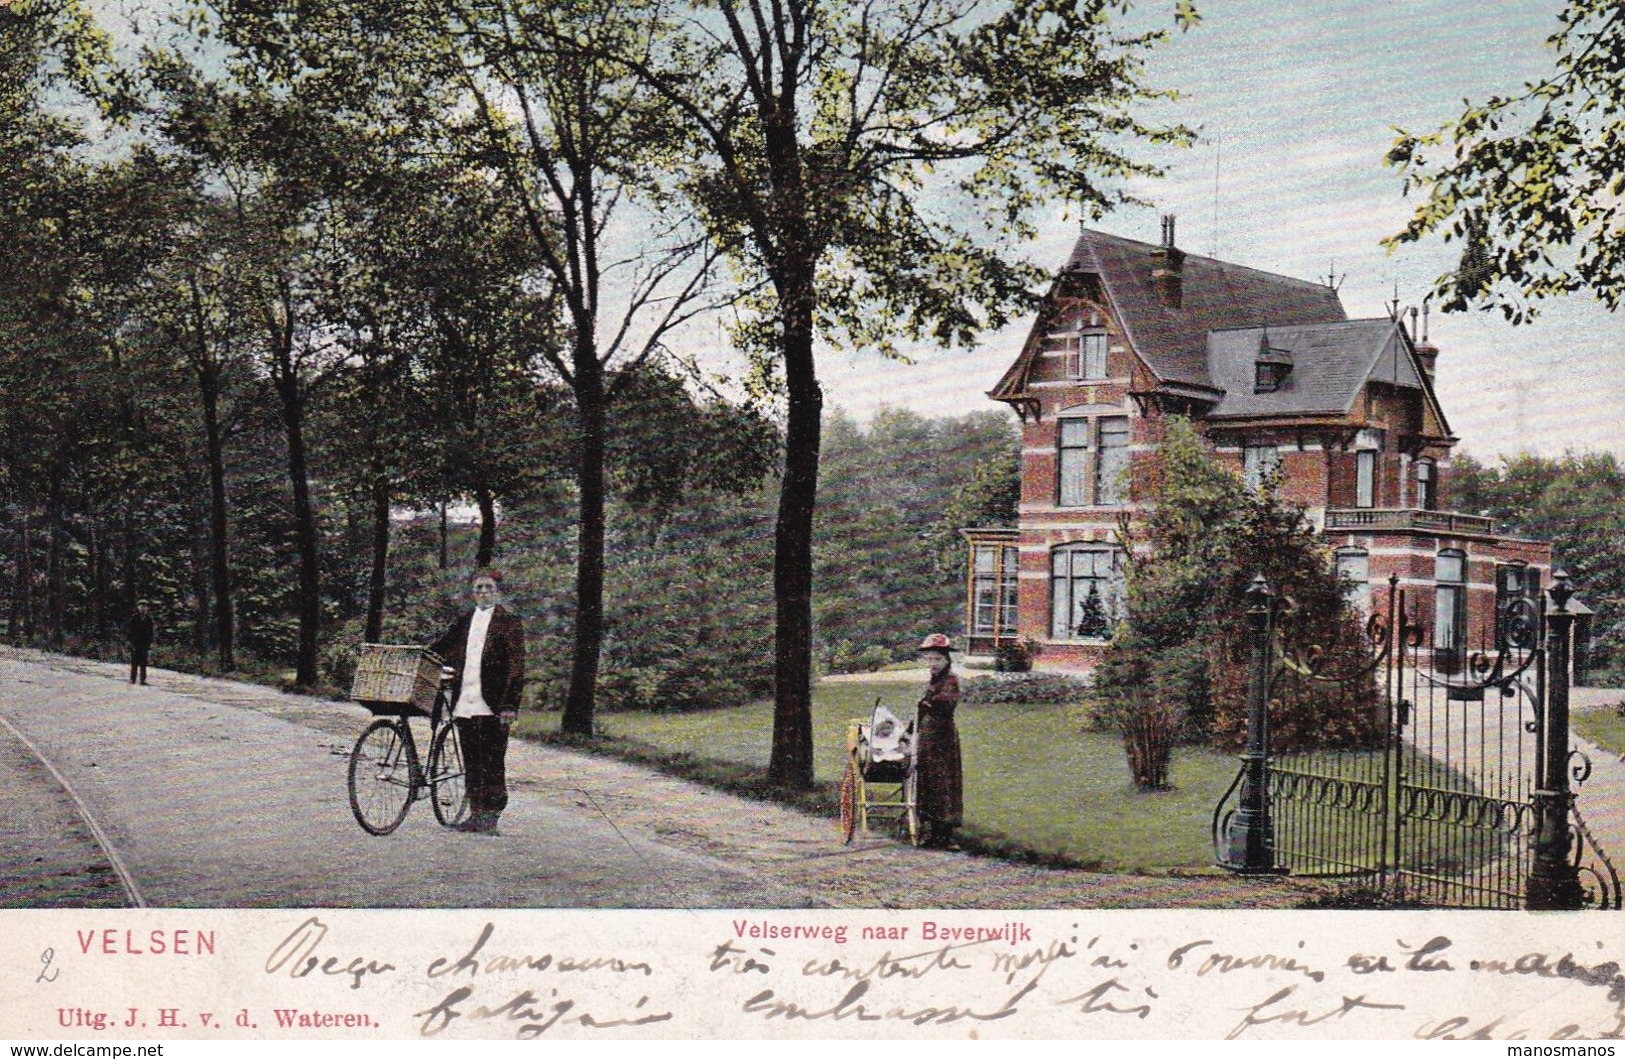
(993,589)
(1084,347)
(1450,601)
(1368,450)
(1354,574)
(1111,482)
(1089,472)
(1066,599)
(1074,461)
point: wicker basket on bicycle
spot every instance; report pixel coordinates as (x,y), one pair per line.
(393,680)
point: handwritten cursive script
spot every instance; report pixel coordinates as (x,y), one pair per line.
(297,952)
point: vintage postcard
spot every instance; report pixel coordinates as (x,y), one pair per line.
(885,520)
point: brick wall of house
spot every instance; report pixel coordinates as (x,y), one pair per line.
(1413,558)
(1318,460)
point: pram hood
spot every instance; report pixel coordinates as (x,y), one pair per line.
(889,738)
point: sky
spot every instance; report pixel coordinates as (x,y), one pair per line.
(1297,104)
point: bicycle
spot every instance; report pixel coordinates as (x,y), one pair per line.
(386,772)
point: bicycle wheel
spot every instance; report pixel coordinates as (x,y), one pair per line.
(849,802)
(447,782)
(381,777)
(911,807)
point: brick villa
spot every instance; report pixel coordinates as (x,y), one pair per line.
(1341,414)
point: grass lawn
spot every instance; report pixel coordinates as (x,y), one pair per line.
(1030,774)
(1606,728)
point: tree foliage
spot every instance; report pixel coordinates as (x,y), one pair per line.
(1530,184)
(1576,501)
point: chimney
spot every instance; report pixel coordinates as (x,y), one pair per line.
(1167,266)
(1426,352)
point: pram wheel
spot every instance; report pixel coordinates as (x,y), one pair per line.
(849,802)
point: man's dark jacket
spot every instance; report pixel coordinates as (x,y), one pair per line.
(502,666)
(140,630)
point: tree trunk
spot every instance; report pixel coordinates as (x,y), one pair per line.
(589,623)
(202,626)
(305,532)
(53,564)
(98,574)
(208,379)
(443,534)
(791,763)
(377,584)
(487,549)
(22,609)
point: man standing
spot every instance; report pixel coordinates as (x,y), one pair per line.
(486,647)
(140,637)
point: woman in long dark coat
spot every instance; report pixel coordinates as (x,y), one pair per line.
(939,776)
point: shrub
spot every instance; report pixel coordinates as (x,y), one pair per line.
(336,665)
(1181,653)
(1150,730)
(1038,688)
(848,657)
(1015,656)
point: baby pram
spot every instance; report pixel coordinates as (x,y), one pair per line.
(879,774)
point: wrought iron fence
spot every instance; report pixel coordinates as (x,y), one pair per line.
(1461,798)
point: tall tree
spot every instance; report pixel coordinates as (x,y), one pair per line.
(577,147)
(827,133)
(279,162)
(1529,183)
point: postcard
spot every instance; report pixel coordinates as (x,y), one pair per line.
(1198,566)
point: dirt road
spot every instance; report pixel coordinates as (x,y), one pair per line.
(215,793)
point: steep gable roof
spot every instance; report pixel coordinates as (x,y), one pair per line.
(1331,364)
(1172,341)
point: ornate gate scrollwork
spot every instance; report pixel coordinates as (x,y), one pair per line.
(1463,797)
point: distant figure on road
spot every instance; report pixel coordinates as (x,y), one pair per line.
(939,783)
(139,634)
(485,695)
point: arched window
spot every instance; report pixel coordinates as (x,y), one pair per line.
(1086,591)
(1513,581)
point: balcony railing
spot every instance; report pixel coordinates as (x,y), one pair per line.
(1407,518)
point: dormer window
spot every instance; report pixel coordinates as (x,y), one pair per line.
(1079,338)
(1271,367)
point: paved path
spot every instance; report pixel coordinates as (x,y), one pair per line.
(225,794)
(1488,741)
(1601,798)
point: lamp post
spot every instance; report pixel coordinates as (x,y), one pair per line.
(1554,879)
(1250,846)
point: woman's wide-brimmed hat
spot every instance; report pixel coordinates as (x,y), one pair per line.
(937,642)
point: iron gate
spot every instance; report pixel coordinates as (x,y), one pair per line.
(1459,792)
